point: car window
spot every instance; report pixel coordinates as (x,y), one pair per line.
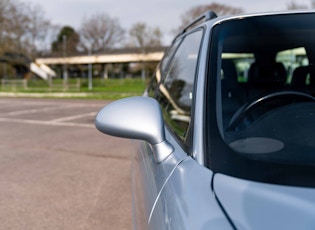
(292,59)
(263,70)
(166,59)
(175,93)
(162,69)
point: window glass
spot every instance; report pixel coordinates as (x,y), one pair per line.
(162,68)
(168,56)
(176,90)
(292,59)
(263,68)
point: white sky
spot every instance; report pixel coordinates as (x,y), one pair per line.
(164,14)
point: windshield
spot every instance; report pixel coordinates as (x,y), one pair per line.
(265,83)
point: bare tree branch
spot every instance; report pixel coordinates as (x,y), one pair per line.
(143,36)
(218,8)
(101,32)
(295,6)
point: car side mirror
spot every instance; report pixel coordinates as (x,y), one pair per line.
(136,118)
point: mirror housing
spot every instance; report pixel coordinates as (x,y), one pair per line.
(136,118)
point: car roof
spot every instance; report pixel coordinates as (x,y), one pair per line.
(210,17)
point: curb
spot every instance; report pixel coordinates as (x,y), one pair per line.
(108,95)
(43,95)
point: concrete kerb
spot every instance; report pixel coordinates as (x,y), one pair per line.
(108,95)
(43,95)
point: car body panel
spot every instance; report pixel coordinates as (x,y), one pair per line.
(187,201)
(198,131)
(149,177)
(254,205)
(177,191)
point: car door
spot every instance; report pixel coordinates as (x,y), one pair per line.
(147,176)
(175,94)
(172,86)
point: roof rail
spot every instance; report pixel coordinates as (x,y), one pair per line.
(206,16)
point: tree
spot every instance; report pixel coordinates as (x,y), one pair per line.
(295,6)
(4,8)
(100,32)
(38,29)
(218,8)
(15,25)
(22,27)
(142,36)
(67,41)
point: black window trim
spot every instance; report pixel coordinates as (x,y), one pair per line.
(186,143)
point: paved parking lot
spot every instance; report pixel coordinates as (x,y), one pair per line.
(57,171)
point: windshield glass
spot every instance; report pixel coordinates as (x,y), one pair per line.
(265,81)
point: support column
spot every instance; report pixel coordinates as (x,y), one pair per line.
(143,71)
(105,71)
(90,84)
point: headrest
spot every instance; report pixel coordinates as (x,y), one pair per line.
(262,74)
(299,77)
(229,72)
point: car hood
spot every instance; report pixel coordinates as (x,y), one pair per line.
(254,205)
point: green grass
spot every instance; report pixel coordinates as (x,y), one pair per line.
(101,88)
(116,85)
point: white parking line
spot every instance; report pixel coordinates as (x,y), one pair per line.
(53,103)
(28,111)
(42,107)
(74,117)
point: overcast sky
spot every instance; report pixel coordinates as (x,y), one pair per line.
(164,14)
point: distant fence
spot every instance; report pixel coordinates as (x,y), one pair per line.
(14,83)
(65,85)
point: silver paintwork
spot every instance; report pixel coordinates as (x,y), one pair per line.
(198,132)
(253,205)
(136,118)
(154,183)
(172,190)
(219,20)
(175,194)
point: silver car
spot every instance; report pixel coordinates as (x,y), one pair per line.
(226,129)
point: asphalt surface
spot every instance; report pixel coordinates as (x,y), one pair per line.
(57,171)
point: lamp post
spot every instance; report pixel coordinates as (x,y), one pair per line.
(65,74)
